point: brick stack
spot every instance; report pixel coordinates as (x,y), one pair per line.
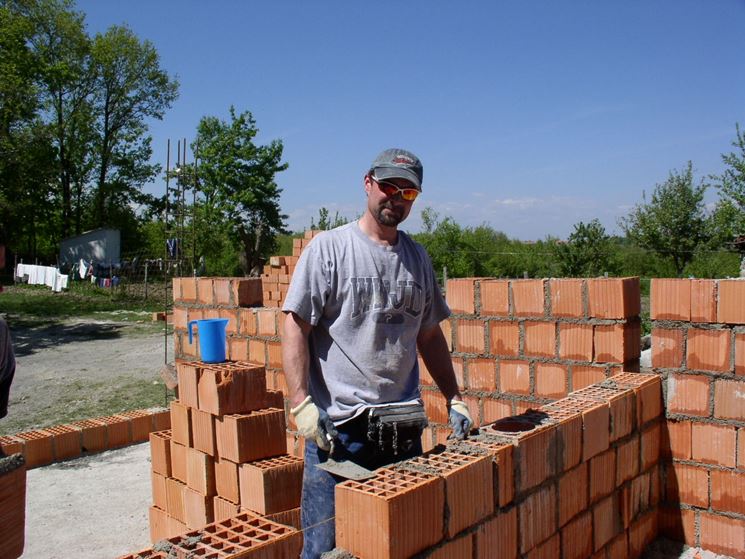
(276,277)
(62,442)
(698,347)
(225,451)
(576,478)
(517,344)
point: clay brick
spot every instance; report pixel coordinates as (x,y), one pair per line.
(274,355)
(469,495)
(540,339)
(180,423)
(447,332)
(11,445)
(160,452)
(635,498)
(648,390)
(178,461)
(618,548)
(709,350)
(621,402)
(504,338)
(237,349)
(651,438)
(161,419)
(94,435)
(617,343)
(703,301)
(642,533)
(198,508)
(627,460)
(569,437)
(381,517)
(179,318)
(731,308)
(551,380)
(482,374)
(460,295)
(678,524)
(573,493)
(200,472)
(175,498)
(459,547)
(713,444)
(495,298)
(535,456)
(267,322)
(614,297)
(670,299)
(495,409)
(188,290)
(575,341)
(606,521)
(221,291)
(566,297)
(528,297)
(175,527)
(271,485)
(223,509)
(688,394)
(729,399)
(247,437)
(667,348)
(740,354)
(204,285)
(498,533)
(435,406)
(677,439)
(158,485)
(576,542)
(585,376)
(248,322)
(158,519)
(140,424)
(38,447)
(257,352)
(602,475)
(226,480)
(118,430)
(722,535)
(236,387)
(595,423)
(687,484)
(68,441)
(741,448)
(246,292)
(470,335)
(514,377)
(727,490)
(537,517)
(550,549)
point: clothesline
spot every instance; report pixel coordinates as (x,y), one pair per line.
(42,275)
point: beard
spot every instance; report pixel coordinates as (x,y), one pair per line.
(392,217)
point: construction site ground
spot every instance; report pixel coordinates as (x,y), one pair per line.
(97,506)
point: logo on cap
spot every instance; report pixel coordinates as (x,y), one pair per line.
(403,160)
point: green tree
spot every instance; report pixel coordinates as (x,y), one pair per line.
(325,222)
(589,251)
(674,223)
(729,216)
(237,184)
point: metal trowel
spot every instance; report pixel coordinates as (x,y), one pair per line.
(344,468)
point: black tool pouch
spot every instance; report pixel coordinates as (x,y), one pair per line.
(394,428)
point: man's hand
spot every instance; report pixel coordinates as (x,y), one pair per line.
(314,423)
(459,419)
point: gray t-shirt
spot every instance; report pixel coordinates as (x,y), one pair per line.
(366,303)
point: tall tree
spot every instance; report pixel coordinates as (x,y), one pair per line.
(130,87)
(729,217)
(237,180)
(588,251)
(674,223)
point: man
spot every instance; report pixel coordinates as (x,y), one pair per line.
(7,367)
(363,299)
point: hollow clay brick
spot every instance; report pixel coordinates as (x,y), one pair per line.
(727,491)
(175,498)
(606,521)
(160,452)
(713,444)
(595,423)
(729,399)
(188,377)
(535,456)
(709,350)
(94,435)
(266,320)
(504,338)
(572,489)
(271,485)
(495,298)
(740,354)
(621,402)
(741,448)
(614,297)
(222,508)
(198,508)
(434,406)
(221,289)
(540,339)
(13,511)
(234,387)
(498,533)
(642,533)
(461,295)
(247,319)
(667,348)
(180,423)
(187,291)
(179,318)
(551,380)
(38,447)
(203,431)
(459,547)
(246,292)
(537,518)
(575,543)
(528,297)
(602,475)
(469,495)
(495,409)
(482,374)
(158,486)
(575,341)
(226,480)
(161,418)
(514,376)
(582,376)
(247,437)
(381,518)
(178,461)
(274,399)
(670,299)
(470,335)
(627,459)
(11,445)
(68,441)
(568,436)
(721,534)
(257,352)
(447,332)
(566,297)
(687,484)
(287,517)
(703,301)
(731,309)
(678,524)
(648,390)
(617,343)
(140,424)
(274,355)
(204,289)
(118,430)
(200,472)
(651,437)
(677,439)
(158,519)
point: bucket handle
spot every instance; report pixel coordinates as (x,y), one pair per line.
(191,331)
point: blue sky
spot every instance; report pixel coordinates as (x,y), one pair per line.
(529,116)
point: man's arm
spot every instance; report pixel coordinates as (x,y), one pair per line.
(434,350)
(296,357)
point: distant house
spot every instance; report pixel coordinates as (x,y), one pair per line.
(101,246)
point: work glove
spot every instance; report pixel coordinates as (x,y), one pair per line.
(314,424)
(459,419)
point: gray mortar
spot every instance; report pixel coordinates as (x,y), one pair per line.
(337,553)
(11,463)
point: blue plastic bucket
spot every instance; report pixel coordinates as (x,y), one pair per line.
(211,338)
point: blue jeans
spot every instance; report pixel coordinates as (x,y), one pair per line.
(317,507)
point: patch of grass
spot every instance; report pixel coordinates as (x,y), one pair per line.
(86,400)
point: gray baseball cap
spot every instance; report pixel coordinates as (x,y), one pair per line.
(398,163)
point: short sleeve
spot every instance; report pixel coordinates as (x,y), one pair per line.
(310,285)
